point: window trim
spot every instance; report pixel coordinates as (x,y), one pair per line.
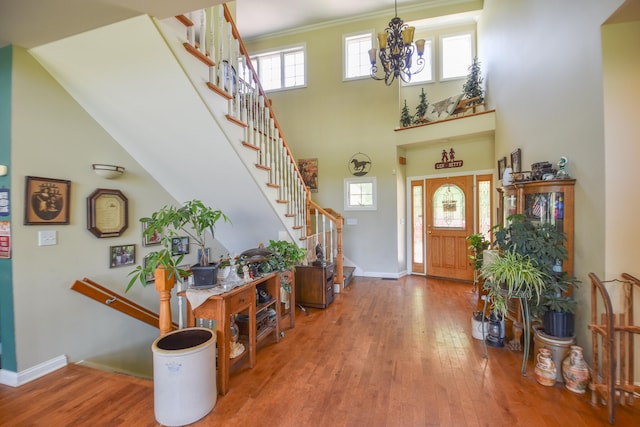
(441,37)
(374,204)
(371,34)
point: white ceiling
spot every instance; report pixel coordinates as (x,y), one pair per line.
(30,23)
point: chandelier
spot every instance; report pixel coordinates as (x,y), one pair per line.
(396,52)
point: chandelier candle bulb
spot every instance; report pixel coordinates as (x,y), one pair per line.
(407,34)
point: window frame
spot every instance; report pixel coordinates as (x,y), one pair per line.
(281,52)
(345,57)
(441,38)
(361,180)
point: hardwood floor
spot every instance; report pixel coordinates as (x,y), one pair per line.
(385,353)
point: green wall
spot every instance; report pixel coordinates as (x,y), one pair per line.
(7,336)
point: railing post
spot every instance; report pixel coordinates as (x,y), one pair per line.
(165,281)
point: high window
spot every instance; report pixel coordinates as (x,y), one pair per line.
(426,75)
(282,69)
(456,54)
(356,55)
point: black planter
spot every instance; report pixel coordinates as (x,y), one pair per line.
(204,276)
(558,324)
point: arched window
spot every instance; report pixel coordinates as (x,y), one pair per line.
(448,208)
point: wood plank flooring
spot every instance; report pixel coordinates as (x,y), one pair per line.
(385,353)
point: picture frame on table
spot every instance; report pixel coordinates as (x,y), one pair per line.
(516,161)
(502,165)
(47,201)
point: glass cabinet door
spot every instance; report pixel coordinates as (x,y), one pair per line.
(510,206)
(545,208)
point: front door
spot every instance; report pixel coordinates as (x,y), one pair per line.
(449,213)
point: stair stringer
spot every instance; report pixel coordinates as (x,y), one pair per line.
(198,73)
(128,79)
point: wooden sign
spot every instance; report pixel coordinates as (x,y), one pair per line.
(448,160)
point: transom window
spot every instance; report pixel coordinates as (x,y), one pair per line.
(356,55)
(456,54)
(281,69)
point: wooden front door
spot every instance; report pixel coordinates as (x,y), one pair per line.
(449,213)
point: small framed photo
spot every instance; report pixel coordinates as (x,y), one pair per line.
(179,245)
(155,238)
(206,251)
(46,201)
(516,161)
(502,165)
(122,255)
(150,278)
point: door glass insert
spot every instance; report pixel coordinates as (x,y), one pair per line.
(448,208)
(418,226)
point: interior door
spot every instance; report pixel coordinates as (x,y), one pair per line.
(449,213)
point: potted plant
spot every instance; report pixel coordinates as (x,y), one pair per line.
(285,255)
(477,245)
(193,219)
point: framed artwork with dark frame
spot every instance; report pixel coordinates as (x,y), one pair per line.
(46,201)
(309,170)
(179,245)
(107,213)
(155,239)
(502,165)
(150,278)
(122,255)
(516,161)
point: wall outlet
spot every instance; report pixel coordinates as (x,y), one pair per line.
(46,238)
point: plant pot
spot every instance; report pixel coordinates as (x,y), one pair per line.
(558,324)
(204,276)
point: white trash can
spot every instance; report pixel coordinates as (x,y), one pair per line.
(184,376)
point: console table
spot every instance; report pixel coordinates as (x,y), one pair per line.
(221,307)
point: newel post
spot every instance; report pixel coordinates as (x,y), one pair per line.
(164,284)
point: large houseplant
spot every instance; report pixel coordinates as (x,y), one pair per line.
(193,219)
(544,245)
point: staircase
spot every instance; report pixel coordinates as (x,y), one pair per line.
(181,96)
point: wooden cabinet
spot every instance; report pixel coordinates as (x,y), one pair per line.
(314,285)
(540,202)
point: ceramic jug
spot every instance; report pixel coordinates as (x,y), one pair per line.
(545,370)
(575,371)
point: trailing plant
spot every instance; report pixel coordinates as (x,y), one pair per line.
(509,275)
(285,255)
(544,245)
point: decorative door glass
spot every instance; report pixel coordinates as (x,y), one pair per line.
(448,208)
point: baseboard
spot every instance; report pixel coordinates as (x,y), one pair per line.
(14,379)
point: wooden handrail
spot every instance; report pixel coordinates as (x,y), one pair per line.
(97,292)
(338,220)
(256,79)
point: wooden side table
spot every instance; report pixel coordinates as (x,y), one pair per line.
(220,308)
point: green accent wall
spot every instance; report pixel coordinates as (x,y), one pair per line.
(7,331)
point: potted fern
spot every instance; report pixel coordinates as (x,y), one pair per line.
(193,219)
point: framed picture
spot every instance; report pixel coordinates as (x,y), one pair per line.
(150,241)
(516,162)
(150,278)
(502,165)
(206,251)
(309,170)
(107,213)
(46,201)
(122,255)
(179,245)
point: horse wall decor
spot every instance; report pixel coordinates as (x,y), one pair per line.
(359,164)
